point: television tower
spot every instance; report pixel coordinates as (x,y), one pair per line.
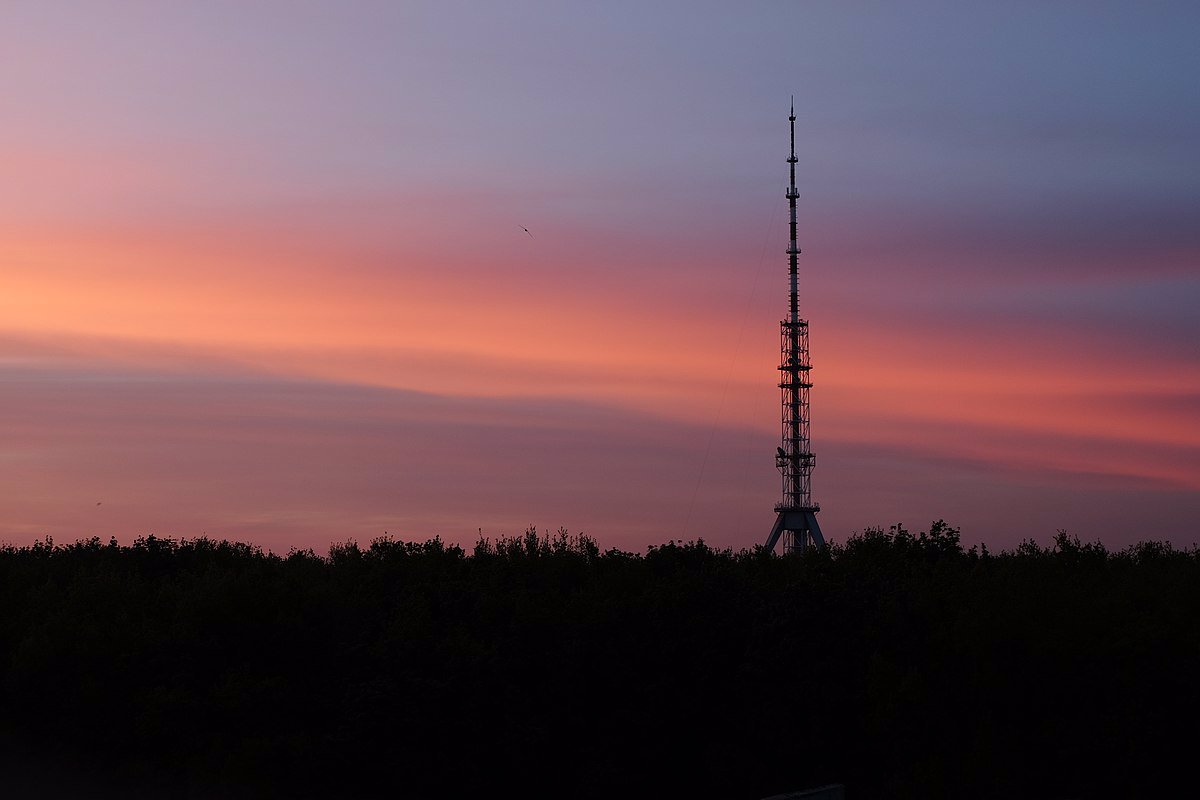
(796,522)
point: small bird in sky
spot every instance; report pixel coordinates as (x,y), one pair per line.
(522,227)
(97,502)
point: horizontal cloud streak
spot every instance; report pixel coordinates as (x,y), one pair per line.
(301,463)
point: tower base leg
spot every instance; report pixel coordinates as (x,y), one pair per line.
(801,526)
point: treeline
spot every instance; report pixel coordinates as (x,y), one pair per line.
(899,664)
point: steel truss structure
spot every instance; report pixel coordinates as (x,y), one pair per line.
(796,521)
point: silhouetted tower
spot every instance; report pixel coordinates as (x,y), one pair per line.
(796,522)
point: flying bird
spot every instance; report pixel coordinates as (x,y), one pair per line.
(522,227)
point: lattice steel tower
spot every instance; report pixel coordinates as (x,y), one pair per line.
(796,522)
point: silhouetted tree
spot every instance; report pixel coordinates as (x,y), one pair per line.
(897,663)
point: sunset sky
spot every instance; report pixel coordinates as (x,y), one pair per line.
(263,274)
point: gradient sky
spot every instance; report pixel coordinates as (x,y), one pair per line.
(262,272)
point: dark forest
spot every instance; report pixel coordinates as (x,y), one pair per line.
(899,664)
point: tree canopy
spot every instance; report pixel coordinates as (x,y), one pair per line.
(899,664)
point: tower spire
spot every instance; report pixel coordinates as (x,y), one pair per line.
(796,520)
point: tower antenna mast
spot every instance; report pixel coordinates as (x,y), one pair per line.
(796,520)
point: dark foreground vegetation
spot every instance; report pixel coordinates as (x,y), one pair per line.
(897,664)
